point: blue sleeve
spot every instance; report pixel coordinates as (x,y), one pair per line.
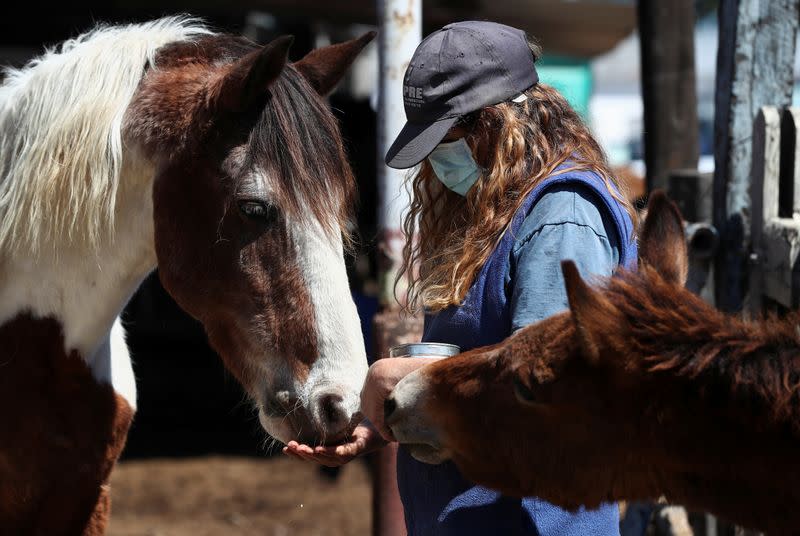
(568,222)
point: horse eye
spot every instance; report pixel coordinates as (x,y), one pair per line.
(523,393)
(258,210)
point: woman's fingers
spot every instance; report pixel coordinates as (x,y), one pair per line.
(365,438)
(338,454)
(324,455)
(302,452)
(292,454)
(347,452)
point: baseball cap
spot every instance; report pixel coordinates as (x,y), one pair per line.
(454,71)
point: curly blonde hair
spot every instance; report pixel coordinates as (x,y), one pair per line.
(450,237)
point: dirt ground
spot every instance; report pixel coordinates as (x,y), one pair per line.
(236,496)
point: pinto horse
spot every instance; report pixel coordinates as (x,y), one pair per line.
(640,389)
(167,145)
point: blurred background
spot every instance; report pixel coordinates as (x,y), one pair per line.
(191,411)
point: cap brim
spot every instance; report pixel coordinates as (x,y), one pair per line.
(416,141)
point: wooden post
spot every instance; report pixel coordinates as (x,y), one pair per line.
(789,190)
(666,34)
(775,240)
(691,191)
(755,66)
(764,195)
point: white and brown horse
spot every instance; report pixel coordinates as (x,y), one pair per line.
(641,389)
(166,145)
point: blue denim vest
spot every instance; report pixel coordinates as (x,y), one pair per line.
(436,498)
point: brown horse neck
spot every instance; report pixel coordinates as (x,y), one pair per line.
(707,403)
(706,388)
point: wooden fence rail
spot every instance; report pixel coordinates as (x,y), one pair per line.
(775,222)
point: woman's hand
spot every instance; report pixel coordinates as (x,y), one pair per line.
(383,375)
(371,434)
(365,439)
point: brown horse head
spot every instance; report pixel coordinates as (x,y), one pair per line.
(251,202)
(526,415)
(640,389)
(164,145)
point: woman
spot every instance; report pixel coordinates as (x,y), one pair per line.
(510,182)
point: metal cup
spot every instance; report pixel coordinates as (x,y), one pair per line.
(424,349)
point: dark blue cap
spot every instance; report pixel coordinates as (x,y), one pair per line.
(459,69)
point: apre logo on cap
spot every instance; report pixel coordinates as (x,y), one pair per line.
(412,96)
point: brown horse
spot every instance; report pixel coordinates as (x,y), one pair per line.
(640,389)
(166,145)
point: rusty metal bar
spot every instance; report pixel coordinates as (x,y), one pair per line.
(399,34)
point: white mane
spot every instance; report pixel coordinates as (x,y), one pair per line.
(61,145)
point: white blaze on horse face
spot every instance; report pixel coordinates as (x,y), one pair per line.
(333,385)
(409,423)
(340,367)
(341,364)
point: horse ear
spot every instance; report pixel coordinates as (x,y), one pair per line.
(662,243)
(250,77)
(325,67)
(587,310)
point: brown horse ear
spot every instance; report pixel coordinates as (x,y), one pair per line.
(587,310)
(250,77)
(662,242)
(325,67)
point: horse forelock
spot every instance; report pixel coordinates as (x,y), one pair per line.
(674,333)
(61,141)
(298,144)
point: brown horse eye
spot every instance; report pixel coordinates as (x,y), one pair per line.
(258,211)
(523,393)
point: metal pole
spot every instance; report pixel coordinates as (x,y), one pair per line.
(399,34)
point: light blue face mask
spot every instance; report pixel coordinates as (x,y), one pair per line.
(454,166)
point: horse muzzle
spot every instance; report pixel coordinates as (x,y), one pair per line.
(328,416)
(405,413)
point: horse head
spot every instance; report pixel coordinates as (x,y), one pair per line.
(165,145)
(251,205)
(528,415)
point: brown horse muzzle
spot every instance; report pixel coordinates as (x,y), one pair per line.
(405,413)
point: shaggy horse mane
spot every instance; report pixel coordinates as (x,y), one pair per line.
(61,117)
(680,334)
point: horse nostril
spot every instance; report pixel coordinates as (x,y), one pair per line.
(331,410)
(286,399)
(389,405)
